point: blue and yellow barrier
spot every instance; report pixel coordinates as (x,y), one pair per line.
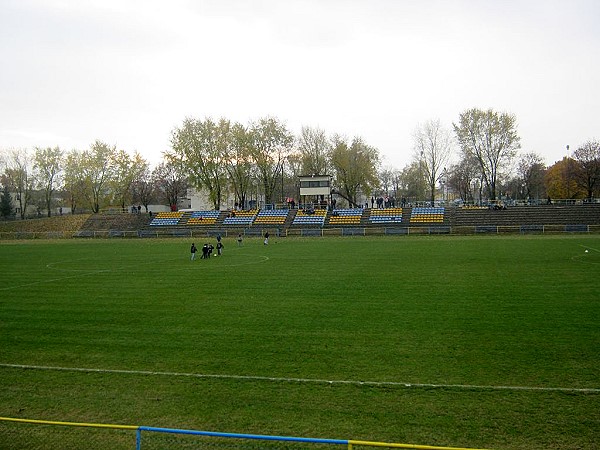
(348,443)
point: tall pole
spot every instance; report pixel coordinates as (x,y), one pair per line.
(568,180)
(282,163)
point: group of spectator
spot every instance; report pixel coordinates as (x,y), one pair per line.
(385,202)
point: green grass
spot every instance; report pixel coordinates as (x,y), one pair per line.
(453,312)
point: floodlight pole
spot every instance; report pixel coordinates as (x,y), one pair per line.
(282,163)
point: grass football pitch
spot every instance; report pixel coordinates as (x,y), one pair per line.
(482,341)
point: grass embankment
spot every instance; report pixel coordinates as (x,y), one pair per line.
(45,224)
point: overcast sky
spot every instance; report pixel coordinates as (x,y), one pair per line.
(127,72)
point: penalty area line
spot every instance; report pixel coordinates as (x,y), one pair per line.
(306,380)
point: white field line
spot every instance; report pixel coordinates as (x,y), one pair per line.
(305,380)
(580,258)
(75,273)
(53,280)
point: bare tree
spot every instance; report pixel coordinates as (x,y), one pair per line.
(97,167)
(200,149)
(169,181)
(491,138)
(386,179)
(355,167)
(588,157)
(461,177)
(74,185)
(531,170)
(314,147)
(143,189)
(271,144)
(239,163)
(126,169)
(48,164)
(20,177)
(396,182)
(411,182)
(432,147)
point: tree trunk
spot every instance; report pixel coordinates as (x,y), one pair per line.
(350,201)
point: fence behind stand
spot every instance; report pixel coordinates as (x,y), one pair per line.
(298,231)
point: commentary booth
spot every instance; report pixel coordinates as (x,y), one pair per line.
(315,191)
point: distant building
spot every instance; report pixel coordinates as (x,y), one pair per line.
(198,200)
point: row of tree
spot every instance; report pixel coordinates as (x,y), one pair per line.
(489,165)
(222,157)
(225,159)
(82,180)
